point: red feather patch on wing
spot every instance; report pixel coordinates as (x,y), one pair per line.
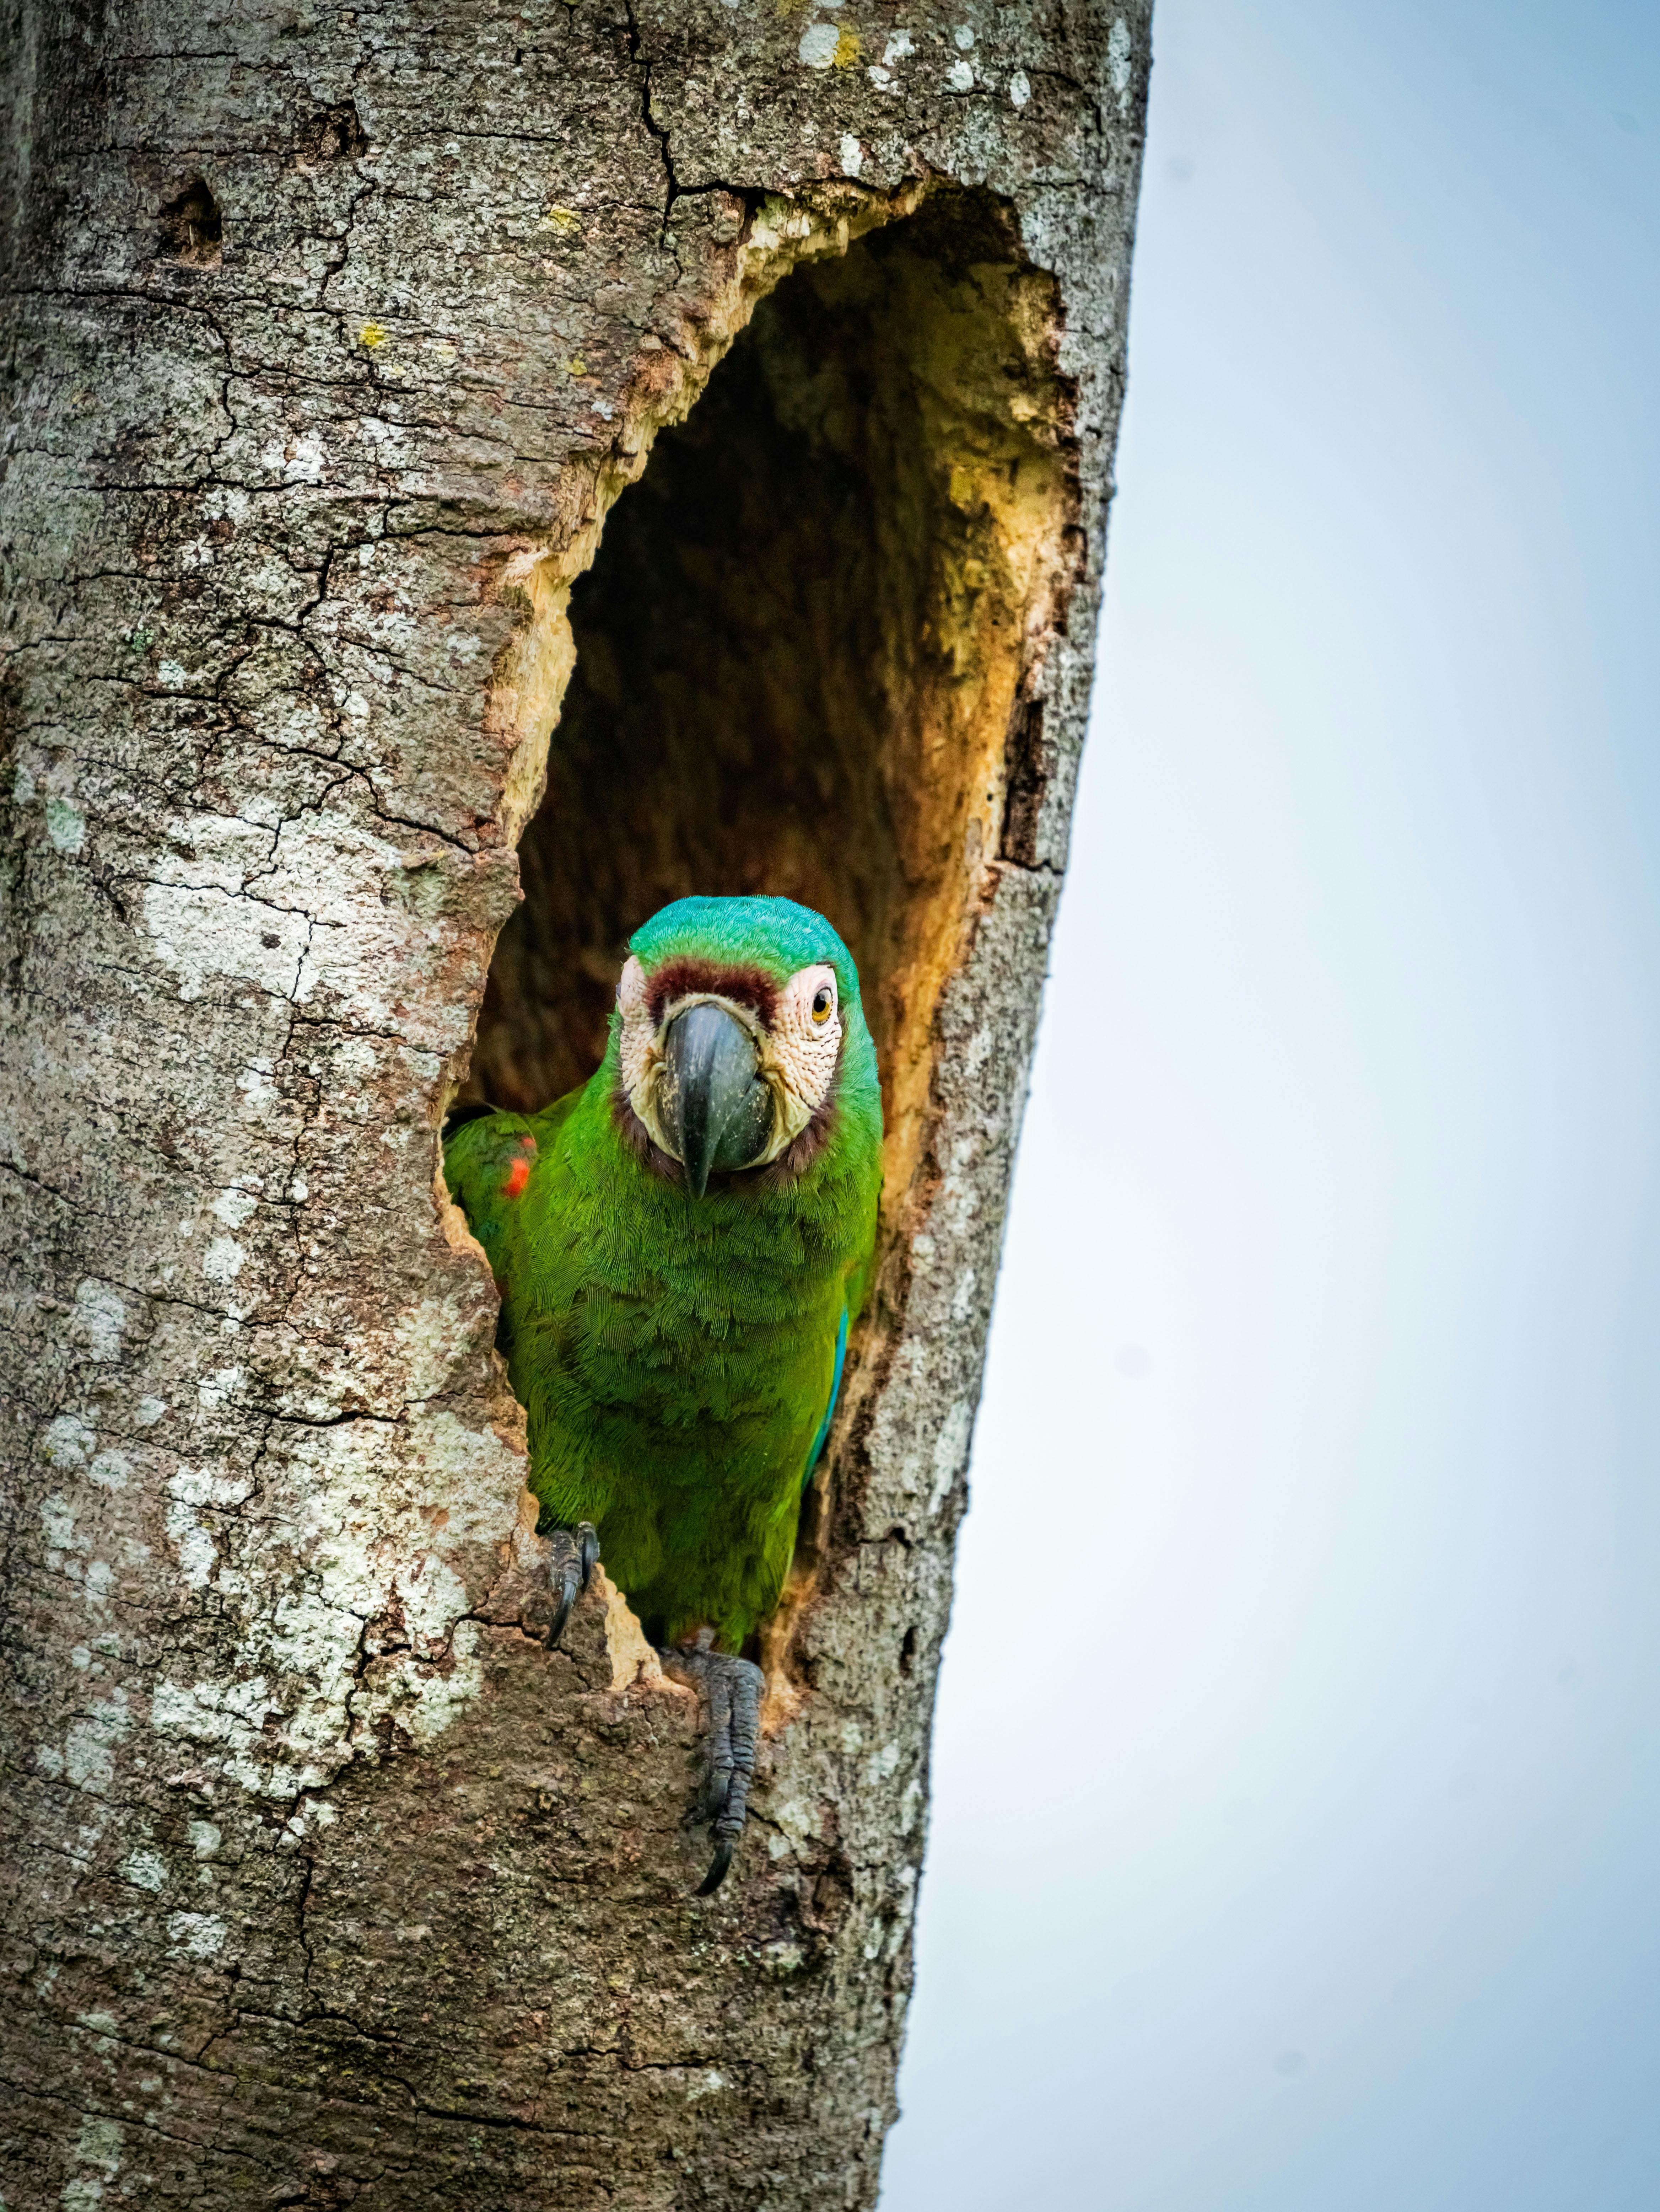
(518,1176)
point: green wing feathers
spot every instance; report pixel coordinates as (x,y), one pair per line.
(487,1164)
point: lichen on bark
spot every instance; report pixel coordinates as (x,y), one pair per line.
(334,339)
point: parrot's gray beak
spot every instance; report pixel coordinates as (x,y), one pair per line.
(715,1103)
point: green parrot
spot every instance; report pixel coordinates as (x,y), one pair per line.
(680,1247)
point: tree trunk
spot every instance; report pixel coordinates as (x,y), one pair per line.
(334,336)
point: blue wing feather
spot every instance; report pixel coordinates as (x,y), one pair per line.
(820,1440)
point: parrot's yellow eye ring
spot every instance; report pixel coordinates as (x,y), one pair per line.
(824,1003)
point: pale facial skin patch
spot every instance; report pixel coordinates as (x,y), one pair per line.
(796,1055)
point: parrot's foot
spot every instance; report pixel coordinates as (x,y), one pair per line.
(575,1555)
(733,1687)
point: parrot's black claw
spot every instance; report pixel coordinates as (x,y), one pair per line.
(575,1555)
(733,1687)
(717,1873)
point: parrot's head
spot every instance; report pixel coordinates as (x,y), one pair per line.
(737,1020)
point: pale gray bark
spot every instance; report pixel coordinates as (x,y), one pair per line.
(333,334)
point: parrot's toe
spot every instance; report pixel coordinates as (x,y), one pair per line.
(575,1555)
(733,1687)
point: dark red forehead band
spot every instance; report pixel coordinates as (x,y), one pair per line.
(746,986)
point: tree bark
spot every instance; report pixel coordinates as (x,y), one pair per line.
(334,336)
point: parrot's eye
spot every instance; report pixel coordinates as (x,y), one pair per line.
(824,1001)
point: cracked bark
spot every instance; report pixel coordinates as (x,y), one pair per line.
(333,337)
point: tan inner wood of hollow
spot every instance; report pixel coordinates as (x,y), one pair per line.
(798,649)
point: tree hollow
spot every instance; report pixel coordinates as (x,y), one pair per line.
(799,649)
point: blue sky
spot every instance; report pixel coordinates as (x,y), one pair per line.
(1296,1837)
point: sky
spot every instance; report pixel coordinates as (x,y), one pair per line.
(1296,1843)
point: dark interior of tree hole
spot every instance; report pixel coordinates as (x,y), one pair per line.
(757,646)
